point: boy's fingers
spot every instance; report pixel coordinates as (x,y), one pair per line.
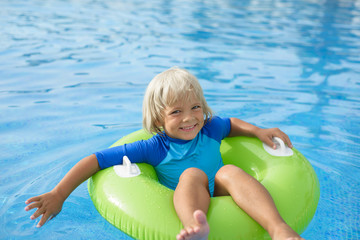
(270,143)
(33,199)
(267,138)
(42,220)
(45,218)
(288,142)
(38,212)
(33,205)
(283,136)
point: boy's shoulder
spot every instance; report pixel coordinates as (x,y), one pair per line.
(157,139)
(217,121)
(217,128)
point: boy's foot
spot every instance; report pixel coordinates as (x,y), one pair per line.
(199,231)
(286,233)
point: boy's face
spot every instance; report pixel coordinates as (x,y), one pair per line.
(184,120)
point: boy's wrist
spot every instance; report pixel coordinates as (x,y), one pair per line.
(256,131)
(59,193)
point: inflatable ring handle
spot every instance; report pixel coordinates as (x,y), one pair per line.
(281,149)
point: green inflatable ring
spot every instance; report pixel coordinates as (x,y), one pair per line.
(143,208)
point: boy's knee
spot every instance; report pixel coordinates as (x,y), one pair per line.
(228,172)
(194,174)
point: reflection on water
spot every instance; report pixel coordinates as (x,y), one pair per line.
(73,75)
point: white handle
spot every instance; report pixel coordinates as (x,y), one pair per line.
(281,149)
(127,164)
(282,146)
(127,169)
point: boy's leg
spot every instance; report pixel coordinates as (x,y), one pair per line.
(191,201)
(251,196)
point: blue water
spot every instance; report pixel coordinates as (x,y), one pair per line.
(73,73)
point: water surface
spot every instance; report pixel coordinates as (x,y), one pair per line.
(73,74)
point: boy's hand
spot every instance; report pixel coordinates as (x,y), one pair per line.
(266,136)
(48,205)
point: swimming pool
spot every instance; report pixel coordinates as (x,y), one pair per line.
(73,74)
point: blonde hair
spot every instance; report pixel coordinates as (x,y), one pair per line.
(164,90)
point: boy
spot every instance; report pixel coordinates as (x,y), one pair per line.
(186,156)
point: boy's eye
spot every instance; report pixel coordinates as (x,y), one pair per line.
(175,112)
(196,107)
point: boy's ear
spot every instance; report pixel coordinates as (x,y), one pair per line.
(158,123)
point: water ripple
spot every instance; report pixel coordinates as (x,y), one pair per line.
(73,74)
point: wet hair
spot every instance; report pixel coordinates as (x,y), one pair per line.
(164,90)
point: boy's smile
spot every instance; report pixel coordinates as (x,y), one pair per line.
(184,120)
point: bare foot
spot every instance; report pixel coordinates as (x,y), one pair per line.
(284,232)
(199,231)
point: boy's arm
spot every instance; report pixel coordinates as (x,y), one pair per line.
(241,128)
(50,204)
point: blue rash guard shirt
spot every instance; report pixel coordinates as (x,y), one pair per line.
(171,157)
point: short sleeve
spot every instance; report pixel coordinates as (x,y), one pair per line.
(217,128)
(150,151)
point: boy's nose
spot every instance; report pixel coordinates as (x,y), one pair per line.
(187,117)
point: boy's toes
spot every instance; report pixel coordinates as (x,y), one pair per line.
(182,235)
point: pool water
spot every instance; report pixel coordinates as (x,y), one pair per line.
(73,74)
